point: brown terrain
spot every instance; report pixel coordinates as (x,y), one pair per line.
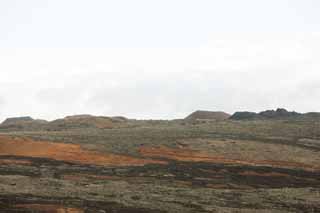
(86,163)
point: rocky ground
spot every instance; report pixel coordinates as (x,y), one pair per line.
(162,166)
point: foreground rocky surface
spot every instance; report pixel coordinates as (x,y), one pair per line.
(163,166)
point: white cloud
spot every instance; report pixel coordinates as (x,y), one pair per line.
(157,59)
(238,71)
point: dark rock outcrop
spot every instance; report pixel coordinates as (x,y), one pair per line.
(280,113)
(245,116)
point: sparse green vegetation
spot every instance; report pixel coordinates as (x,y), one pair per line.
(270,166)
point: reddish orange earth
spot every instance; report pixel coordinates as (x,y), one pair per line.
(74,153)
(49,208)
(66,152)
(187,155)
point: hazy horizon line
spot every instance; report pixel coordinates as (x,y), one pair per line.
(150,118)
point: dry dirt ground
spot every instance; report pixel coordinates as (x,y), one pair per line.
(163,166)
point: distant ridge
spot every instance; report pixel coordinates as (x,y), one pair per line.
(69,122)
(27,123)
(17,120)
(279,113)
(208,115)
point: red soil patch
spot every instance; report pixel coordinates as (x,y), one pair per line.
(66,152)
(45,208)
(187,155)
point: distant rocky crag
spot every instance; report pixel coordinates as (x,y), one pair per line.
(279,113)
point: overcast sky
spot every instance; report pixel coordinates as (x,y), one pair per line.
(157,59)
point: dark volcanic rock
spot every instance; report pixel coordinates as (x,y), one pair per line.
(245,116)
(280,113)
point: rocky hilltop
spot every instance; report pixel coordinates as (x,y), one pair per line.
(208,115)
(279,113)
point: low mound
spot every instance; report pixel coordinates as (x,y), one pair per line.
(119,119)
(22,123)
(17,120)
(84,121)
(208,115)
(69,122)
